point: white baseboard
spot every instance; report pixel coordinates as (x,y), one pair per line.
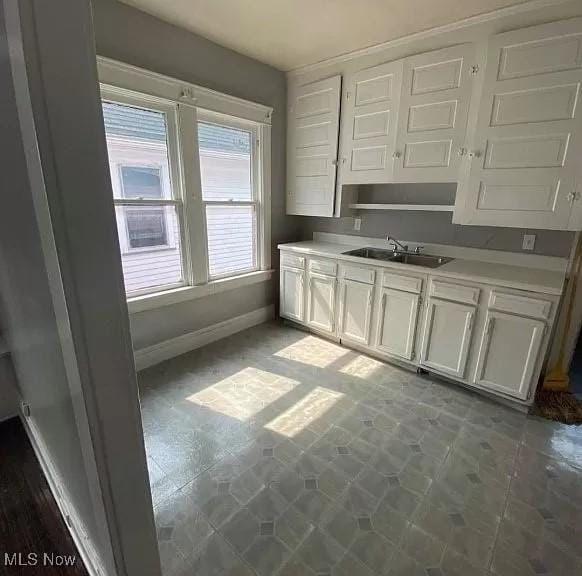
(83,542)
(181,344)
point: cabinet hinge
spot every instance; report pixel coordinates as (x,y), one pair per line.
(474,70)
(573,196)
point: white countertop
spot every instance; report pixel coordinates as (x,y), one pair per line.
(519,277)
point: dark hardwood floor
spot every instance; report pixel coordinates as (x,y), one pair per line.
(30,522)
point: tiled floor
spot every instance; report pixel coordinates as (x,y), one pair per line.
(277,452)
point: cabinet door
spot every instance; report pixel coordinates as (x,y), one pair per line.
(292,295)
(313,125)
(397,325)
(509,353)
(447,336)
(528,131)
(355,311)
(432,122)
(321,302)
(369,121)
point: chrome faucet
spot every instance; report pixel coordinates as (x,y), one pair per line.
(395,243)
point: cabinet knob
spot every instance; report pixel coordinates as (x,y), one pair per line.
(475,154)
(334,162)
(462,151)
(396,154)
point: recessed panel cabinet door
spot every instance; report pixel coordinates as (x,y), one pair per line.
(447,336)
(292,294)
(369,121)
(321,302)
(432,122)
(509,354)
(313,125)
(397,324)
(355,311)
(527,144)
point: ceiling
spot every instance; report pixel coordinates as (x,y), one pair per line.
(289,34)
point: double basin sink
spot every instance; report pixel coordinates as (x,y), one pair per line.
(426,260)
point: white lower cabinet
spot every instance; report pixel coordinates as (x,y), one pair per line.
(397,323)
(509,353)
(321,302)
(447,336)
(292,282)
(487,336)
(355,311)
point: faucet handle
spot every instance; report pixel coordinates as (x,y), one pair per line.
(417,249)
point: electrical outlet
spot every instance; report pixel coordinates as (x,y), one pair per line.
(529,241)
(357,223)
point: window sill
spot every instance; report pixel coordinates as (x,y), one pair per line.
(169,297)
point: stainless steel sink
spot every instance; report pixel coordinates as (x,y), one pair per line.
(375,253)
(426,260)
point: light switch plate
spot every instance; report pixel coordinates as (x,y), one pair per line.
(529,241)
(357,223)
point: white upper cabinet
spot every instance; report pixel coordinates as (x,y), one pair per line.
(526,146)
(313,124)
(432,122)
(369,122)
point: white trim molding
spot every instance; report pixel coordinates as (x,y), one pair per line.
(127,78)
(498,14)
(85,546)
(157,353)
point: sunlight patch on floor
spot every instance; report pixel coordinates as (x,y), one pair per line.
(309,409)
(244,394)
(312,351)
(362,367)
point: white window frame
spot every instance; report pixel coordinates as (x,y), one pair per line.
(182,103)
(257,201)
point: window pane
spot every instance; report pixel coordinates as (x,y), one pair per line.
(225,162)
(141,182)
(231,239)
(138,151)
(149,238)
(146,227)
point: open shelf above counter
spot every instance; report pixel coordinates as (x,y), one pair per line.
(417,207)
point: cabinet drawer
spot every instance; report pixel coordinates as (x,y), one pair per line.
(365,275)
(520,305)
(454,292)
(323,266)
(292,260)
(400,282)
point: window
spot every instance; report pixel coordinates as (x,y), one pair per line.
(147,201)
(190,183)
(229,195)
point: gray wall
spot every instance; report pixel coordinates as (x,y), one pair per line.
(433,227)
(126,34)
(28,313)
